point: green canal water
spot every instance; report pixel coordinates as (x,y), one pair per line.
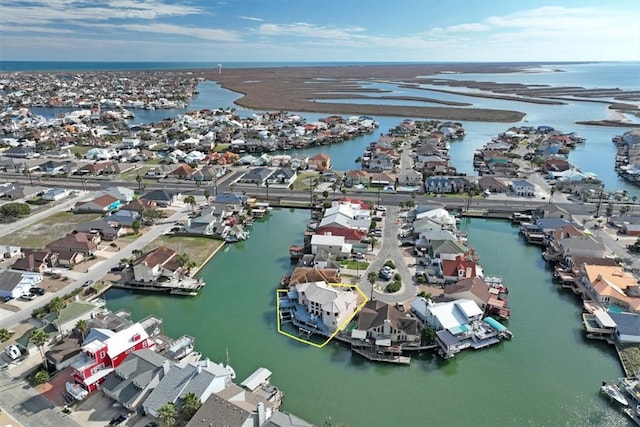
(547,375)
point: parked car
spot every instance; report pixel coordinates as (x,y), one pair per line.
(119,419)
(87,283)
(151,424)
(13,352)
(28,297)
(7,298)
(37,290)
(358,255)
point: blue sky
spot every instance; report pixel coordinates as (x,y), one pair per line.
(329,30)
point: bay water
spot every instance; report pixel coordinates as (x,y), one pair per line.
(548,375)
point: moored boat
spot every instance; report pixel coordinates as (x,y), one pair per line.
(614,393)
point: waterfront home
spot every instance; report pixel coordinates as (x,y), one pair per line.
(206,222)
(319,162)
(36,260)
(549,225)
(162,198)
(491,298)
(344,216)
(458,269)
(386,326)
(79,242)
(553,211)
(103,350)
(103,204)
(334,245)
(459,325)
(611,286)
(432,219)
(234,199)
(132,381)
(158,264)
(615,328)
(14,285)
(449,249)
(304,274)
(202,378)
(323,308)
(586,246)
(65,321)
(523,188)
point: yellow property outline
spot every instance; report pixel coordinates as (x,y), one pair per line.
(338,329)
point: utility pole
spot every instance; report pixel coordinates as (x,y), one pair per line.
(600,201)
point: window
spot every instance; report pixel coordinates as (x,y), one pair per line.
(102,354)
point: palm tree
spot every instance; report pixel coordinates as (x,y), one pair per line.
(207,194)
(82,326)
(167,414)
(139,181)
(553,191)
(39,339)
(56,305)
(190,200)
(190,404)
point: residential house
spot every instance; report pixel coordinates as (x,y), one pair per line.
(183,171)
(37,261)
(386,325)
(158,264)
(13,284)
(104,350)
(79,242)
(409,178)
(473,288)
(205,223)
(334,245)
(24,192)
(159,171)
(123,219)
(103,203)
(305,274)
(283,177)
(7,251)
(72,313)
(162,198)
(53,194)
(95,169)
(494,185)
(319,162)
(458,269)
(438,184)
(356,177)
(523,188)
(332,305)
(611,286)
(54,167)
(106,229)
(202,378)
(135,378)
(124,194)
(256,176)
(346,216)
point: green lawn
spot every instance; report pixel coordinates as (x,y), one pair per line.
(80,149)
(198,248)
(304,180)
(51,228)
(131,175)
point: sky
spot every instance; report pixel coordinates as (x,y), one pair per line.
(320,31)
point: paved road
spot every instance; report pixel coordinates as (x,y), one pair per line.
(390,250)
(100,269)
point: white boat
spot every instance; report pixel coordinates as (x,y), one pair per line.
(614,394)
(76,391)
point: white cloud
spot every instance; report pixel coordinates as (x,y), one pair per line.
(251,18)
(308,30)
(168,29)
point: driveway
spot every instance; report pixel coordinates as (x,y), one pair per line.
(390,250)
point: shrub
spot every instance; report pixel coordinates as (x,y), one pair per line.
(390,263)
(41,377)
(393,287)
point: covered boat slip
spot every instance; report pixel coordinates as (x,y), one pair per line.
(259,377)
(478,335)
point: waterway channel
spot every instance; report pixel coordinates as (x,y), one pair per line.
(548,374)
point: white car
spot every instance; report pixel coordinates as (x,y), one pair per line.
(13,352)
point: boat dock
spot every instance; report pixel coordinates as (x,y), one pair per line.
(186,287)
